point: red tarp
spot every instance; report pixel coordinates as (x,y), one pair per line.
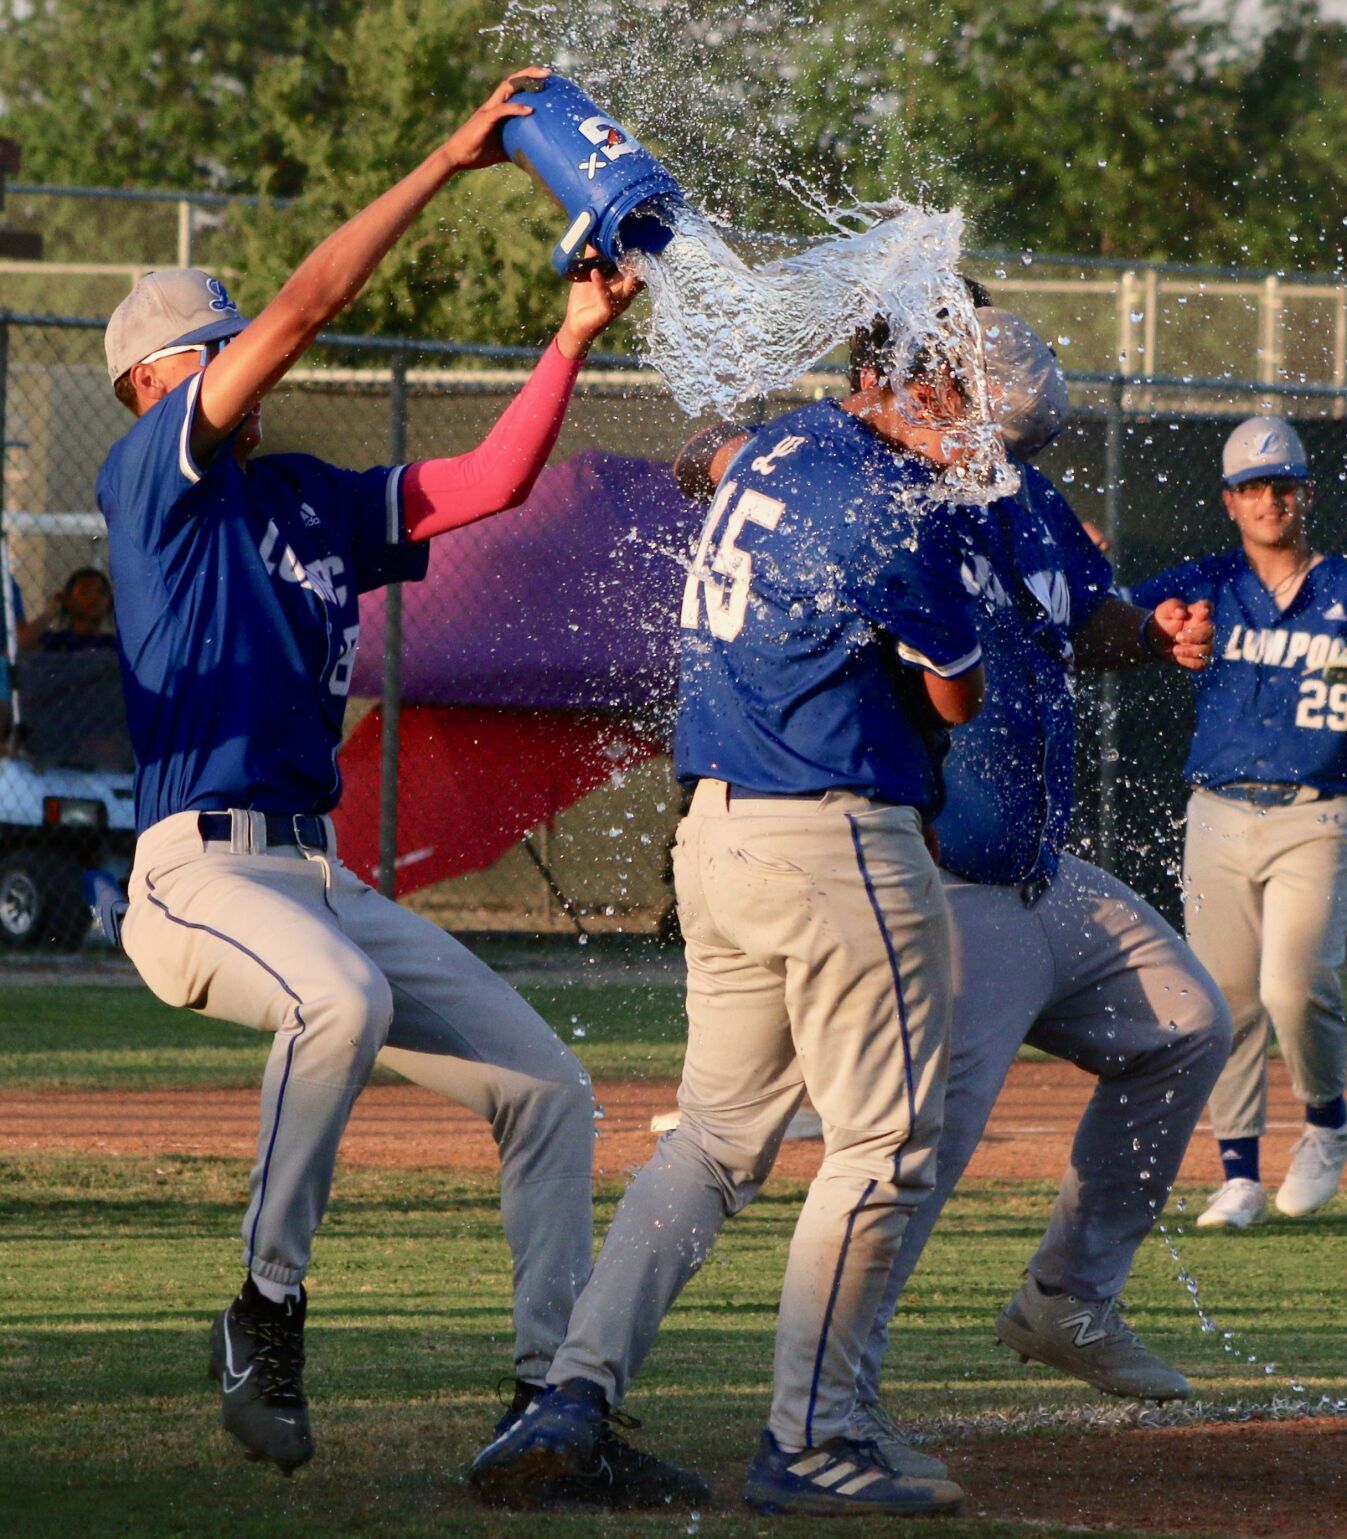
(472,782)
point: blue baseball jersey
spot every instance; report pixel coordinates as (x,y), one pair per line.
(237,618)
(826,569)
(1273,704)
(1009,776)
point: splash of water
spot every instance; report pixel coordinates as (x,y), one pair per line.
(723,332)
(1231,1343)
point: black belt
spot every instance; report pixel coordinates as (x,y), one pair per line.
(305,829)
(744,794)
(1265,793)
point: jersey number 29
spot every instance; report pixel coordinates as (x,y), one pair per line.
(720,570)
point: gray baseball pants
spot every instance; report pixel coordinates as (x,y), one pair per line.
(1094,975)
(289,941)
(1265,896)
(818,958)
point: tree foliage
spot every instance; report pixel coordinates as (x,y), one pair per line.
(1147,130)
(153,93)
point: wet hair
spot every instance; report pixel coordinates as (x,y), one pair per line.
(871,345)
(125,392)
(82,572)
(872,348)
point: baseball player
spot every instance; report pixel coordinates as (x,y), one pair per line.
(1048,949)
(236,582)
(1265,856)
(823,621)
(1045,947)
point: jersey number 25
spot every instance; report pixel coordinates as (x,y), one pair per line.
(721,571)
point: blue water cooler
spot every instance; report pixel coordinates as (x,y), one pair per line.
(615,193)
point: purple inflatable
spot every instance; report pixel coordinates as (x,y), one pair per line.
(570,601)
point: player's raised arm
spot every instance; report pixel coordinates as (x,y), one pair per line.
(443,494)
(331,276)
(1124,635)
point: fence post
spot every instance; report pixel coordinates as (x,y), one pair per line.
(392,678)
(1108,694)
(7,614)
(1339,344)
(1269,340)
(1127,298)
(184,233)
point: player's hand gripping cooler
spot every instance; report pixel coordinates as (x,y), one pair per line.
(616,194)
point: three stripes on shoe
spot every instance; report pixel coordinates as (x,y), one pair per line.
(828,1471)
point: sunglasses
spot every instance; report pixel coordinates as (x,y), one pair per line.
(206,350)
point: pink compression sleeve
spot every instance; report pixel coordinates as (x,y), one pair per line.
(499,473)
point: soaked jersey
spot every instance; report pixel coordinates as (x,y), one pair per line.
(1010,773)
(826,574)
(1273,704)
(237,618)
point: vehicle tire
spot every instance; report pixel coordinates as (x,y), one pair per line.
(42,900)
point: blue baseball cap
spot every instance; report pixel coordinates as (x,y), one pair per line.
(172,308)
(1264,449)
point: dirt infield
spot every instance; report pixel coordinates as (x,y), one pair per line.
(1249,1481)
(400,1126)
(1243,1481)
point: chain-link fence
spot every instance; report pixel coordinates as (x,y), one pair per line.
(577,800)
(1139,318)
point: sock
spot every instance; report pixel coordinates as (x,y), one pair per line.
(276,1292)
(1240,1158)
(1332,1114)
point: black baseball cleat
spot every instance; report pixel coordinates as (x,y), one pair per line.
(523,1396)
(558,1447)
(627,1478)
(257,1358)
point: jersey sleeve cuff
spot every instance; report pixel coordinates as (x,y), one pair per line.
(950,670)
(186,464)
(394,532)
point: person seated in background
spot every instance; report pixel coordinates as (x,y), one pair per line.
(77,619)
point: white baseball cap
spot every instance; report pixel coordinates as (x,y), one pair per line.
(173,308)
(1030,403)
(1264,449)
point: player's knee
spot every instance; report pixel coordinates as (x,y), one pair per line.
(1288,1007)
(354,1017)
(550,1107)
(735,1161)
(566,1100)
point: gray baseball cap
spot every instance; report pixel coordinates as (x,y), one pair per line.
(1032,404)
(1264,449)
(172,308)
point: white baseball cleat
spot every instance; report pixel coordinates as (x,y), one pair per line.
(1316,1171)
(1235,1205)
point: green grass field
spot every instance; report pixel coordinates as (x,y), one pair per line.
(103,1037)
(111,1270)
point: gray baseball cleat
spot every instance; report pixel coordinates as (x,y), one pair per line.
(257,1357)
(1090,1340)
(870,1423)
